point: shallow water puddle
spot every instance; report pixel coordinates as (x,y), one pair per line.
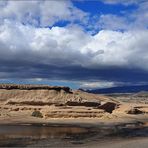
(56,135)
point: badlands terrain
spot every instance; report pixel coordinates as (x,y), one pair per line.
(43,104)
(53,116)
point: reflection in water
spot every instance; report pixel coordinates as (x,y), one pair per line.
(25,135)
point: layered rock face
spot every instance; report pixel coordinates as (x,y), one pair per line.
(46,95)
(46,102)
(51,101)
(33,87)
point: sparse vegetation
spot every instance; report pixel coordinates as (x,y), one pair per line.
(37,114)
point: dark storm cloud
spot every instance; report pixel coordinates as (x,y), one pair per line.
(110,74)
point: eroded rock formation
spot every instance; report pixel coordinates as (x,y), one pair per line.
(109,106)
(134,111)
(51,101)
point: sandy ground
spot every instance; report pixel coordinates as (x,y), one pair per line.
(132,143)
(79,121)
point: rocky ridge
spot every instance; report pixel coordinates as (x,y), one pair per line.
(51,101)
(56,102)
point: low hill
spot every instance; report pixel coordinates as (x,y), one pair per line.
(52,102)
(46,95)
(41,103)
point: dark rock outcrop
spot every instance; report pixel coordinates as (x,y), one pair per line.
(87,104)
(34,87)
(134,111)
(108,106)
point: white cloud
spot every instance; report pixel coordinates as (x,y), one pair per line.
(98,84)
(125,2)
(127,49)
(73,47)
(112,22)
(140,16)
(44,45)
(59,10)
(42,13)
(133,19)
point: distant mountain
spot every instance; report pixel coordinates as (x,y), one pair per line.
(121,89)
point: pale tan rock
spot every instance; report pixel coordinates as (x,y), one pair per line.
(52,102)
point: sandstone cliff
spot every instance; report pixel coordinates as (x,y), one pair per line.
(51,101)
(46,95)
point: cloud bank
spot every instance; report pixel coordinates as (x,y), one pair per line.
(33,46)
(65,47)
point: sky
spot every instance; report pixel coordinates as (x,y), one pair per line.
(81,44)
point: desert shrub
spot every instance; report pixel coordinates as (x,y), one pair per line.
(37,114)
